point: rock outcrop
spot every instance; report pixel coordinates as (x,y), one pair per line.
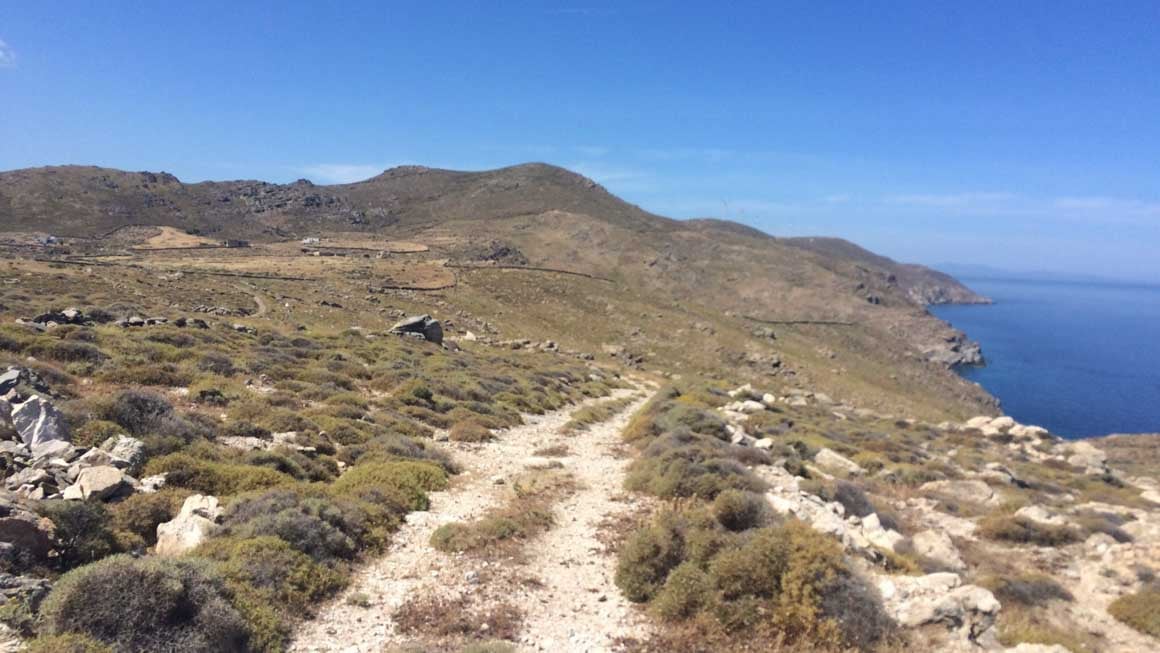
(197,520)
(423,326)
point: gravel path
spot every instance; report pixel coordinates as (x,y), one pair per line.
(562,584)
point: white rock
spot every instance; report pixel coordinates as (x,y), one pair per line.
(1002,423)
(196,521)
(750,407)
(38,422)
(101,482)
(833,460)
(978,422)
(879,535)
(938,546)
(1041,515)
(970,491)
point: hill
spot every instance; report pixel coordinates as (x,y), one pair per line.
(684,295)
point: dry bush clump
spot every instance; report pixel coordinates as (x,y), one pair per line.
(1140,610)
(525,514)
(1020,530)
(442,617)
(785,579)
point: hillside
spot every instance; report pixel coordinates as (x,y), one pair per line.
(684,296)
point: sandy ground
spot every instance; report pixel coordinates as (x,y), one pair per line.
(561,582)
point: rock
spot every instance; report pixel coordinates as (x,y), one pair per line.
(978,422)
(124,448)
(151,484)
(1003,423)
(743,392)
(52,449)
(1029,432)
(1086,455)
(763,443)
(750,407)
(833,460)
(938,546)
(24,532)
(969,491)
(9,380)
(196,521)
(24,590)
(1041,515)
(423,325)
(937,598)
(769,400)
(880,536)
(38,421)
(93,458)
(100,483)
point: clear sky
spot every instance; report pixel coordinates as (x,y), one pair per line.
(1017,134)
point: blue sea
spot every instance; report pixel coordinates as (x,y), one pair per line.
(1081,359)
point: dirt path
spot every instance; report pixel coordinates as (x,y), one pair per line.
(563,588)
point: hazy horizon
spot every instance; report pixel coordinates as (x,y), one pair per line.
(1022,137)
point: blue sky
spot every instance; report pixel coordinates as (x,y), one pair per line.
(1017,134)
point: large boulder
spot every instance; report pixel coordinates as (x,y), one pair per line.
(196,521)
(101,482)
(422,325)
(38,422)
(834,461)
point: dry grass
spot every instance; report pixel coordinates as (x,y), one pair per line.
(436,617)
(526,513)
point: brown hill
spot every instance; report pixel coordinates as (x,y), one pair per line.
(685,294)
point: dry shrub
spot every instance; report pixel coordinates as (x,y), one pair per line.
(442,617)
(1021,530)
(470,431)
(1140,610)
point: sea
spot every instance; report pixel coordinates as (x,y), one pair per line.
(1081,359)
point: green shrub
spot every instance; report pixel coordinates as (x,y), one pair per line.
(526,513)
(646,558)
(94,432)
(737,510)
(81,531)
(145,413)
(1031,590)
(392,447)
(1140,610)
(66,351)
(470,431)
(216,478)
(135,519)
(409,480)
(687,591)
(147,604)
(269,571)
(1021,530)
(683,464)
